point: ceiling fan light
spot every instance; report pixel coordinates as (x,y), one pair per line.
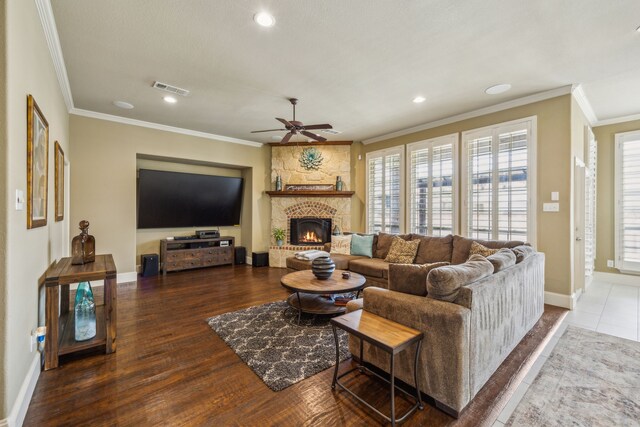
(264,19)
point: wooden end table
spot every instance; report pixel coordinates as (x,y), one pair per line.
(59,317)
(308,290)
(387,335)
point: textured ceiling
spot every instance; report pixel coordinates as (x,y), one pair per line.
(356,64)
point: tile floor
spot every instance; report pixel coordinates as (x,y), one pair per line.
(605,307)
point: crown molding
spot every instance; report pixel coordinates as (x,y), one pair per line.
(53,42)
(617,120)
(530,99)
(585,105)
(157,126)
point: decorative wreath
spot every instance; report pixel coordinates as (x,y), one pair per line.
(311,158)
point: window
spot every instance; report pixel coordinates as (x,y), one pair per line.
(385,201)
(433,186)
(498,176)
(627,207)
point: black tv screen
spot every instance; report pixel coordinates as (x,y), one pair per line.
(174,199)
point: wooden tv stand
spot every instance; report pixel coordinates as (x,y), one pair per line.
(176,255)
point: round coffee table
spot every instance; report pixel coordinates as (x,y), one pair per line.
(308,291)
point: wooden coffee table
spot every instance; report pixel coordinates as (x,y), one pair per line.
(308,291)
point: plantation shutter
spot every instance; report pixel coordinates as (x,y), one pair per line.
(628,201)
(590,211)
(384,191)
(431,186)
(497,191)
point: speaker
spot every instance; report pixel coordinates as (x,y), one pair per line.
(149,265)
(260,259)
(240,255)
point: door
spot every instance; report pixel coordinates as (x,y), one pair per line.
(579,176)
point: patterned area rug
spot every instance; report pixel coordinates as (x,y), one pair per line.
(590,379)
(281,353)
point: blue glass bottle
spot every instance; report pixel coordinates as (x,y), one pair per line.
(85,312)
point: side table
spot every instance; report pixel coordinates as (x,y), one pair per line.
(60,321)
(387,335)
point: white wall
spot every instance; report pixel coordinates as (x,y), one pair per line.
(29,70)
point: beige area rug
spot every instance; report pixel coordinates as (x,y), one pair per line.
(590,379)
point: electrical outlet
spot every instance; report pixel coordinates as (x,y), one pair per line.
(610,263)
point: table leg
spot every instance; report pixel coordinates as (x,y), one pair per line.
(110,312)
(51,321)
(415,373)
(361,367)
(335,371)
(393,394)
(299,307)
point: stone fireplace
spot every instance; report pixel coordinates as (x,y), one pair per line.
(317,213)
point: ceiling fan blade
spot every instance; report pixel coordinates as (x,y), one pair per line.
(268,130)
(313,135)
(323,126)
(286,138)
(284,122)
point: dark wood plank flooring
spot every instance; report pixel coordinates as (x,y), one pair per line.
(171,369)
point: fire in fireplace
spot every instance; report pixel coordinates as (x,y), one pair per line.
(310,231)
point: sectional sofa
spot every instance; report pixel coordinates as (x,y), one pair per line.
(473,312)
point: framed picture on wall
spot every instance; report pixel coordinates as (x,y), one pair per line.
(59,181)
(37,165)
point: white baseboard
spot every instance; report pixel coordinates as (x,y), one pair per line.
(20,406)
(559,300)
(620,279)
(249,260)
(131,276)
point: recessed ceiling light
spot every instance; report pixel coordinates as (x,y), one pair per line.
(123,104)
(170,99)
(419,99)
(264,19)
(494,90)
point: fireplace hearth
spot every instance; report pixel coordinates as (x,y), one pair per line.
(310,231)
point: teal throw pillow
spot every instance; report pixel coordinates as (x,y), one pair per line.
(362,245)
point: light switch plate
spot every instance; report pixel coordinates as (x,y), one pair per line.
(19,200)
(555,196)
(551,207)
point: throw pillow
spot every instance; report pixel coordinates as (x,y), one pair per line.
(341,244)
(502,259)
(444,283)
(362,245)
(478,249)
(402,251)
(411,278)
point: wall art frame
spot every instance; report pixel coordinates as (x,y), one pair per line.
(37,165)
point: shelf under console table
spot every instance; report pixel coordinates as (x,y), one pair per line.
(176,255)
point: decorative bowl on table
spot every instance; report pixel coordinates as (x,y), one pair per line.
(322,267)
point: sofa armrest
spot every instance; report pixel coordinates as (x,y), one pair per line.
(411,278)
(444,358)
(354,305)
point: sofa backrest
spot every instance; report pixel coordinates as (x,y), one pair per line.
(433,248)
(462,246)
(383,243)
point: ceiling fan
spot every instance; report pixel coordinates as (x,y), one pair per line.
(294,127)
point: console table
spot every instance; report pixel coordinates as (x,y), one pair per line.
(60,318)
(185,254)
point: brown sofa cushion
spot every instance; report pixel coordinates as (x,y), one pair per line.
(383,243)
(444,283)
(433,248)
(522,251)
(374,267)
(462,246)
(402,251)
(502,259)
(411,278)
(341,261)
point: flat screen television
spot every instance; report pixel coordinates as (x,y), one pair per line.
(174,199)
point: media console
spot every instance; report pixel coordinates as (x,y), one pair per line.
(176,255)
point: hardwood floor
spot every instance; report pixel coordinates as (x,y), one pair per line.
(171,369)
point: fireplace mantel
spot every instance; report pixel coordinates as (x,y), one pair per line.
(310,193)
